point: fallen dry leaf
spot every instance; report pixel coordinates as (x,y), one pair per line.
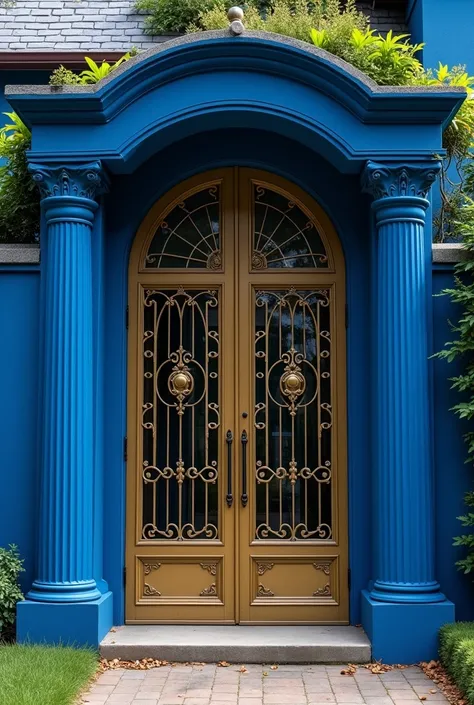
(265,674)
(114,629)
(350,670)
(379,667)
(433,690)
(223,664)
(242,669)
(435,671)
(422,697)
(274,668)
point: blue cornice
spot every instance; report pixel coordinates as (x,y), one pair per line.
(210,81)
(209,52)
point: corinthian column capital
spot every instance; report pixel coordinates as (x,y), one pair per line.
(77,180)
(399,180)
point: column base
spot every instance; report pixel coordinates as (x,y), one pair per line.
(404,633)
(74,624)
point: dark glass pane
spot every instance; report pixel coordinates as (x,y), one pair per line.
(189,235)
(293,415)
(180,411)
(284,235)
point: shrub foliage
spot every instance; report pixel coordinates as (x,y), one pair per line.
(10,568)
(456,651)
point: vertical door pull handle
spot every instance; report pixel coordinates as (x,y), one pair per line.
(244,440)
(228,439)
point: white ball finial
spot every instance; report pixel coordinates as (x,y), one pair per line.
(235,17)
(235,13)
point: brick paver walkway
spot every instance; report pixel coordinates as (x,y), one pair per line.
(260,685)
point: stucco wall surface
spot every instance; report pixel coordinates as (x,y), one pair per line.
(92,25)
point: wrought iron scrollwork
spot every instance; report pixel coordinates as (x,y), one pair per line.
(181,414)
(293,415)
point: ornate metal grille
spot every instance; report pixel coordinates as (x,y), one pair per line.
(284,234)
(189,235)
(293,414)
(181,414)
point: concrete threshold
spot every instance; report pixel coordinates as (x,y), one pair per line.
(238,644)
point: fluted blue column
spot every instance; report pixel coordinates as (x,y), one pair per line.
(405,607)
(65,559)
(404,509)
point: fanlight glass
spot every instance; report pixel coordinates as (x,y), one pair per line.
(284,235)
(188,237)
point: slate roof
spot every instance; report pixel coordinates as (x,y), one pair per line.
(111,25)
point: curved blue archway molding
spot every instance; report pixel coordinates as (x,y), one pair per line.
(220,86)
(213,80)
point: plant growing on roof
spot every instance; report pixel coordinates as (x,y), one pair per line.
(95,73)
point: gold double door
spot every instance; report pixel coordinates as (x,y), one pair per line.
(236,489)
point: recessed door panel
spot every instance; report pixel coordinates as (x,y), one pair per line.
(236,473)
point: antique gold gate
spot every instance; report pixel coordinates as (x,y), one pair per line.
(236,490)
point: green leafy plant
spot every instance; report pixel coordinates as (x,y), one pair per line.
(462,348)
(95,73)
(19,197)
(388,60)
(293,18)
(11,566)
(169,16)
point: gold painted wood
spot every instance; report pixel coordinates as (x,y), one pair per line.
(242,575)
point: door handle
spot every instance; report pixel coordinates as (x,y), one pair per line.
(228,439)
(244,440)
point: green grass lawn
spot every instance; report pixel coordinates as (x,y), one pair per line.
(43,675)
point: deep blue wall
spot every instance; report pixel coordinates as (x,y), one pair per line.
(19,326)
(446,28)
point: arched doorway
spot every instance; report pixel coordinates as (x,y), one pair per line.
(236,489)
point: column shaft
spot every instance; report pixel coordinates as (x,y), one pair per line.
(65,554)
(404,495)
(65,549)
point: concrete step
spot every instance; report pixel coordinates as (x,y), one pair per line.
(238,644)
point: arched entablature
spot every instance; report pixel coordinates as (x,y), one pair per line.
(213,80)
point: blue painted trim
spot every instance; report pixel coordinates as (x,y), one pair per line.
(269,54)
(443,266)
(13,268)
(211,81)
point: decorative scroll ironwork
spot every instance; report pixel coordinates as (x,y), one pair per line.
(189,235)
(285,235)
(181,414)
(293,415)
